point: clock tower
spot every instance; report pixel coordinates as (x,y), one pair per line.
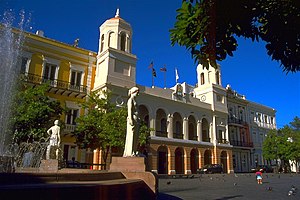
(209,88)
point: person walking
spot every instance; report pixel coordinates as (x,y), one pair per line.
(258,175)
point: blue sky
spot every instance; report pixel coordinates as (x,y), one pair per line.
(250,71)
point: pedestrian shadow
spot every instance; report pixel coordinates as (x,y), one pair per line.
(230,197)
(162,196)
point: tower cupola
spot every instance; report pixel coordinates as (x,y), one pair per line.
(115,33)
(116,65)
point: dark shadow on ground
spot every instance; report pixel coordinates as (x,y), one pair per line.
(230,197)
(162,196)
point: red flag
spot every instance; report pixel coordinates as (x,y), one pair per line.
(151,65)
(163,69)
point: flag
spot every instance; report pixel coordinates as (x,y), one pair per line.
(151,65)
(163,69)
(176,74)
(153,72)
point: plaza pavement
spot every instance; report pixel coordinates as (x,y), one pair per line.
(228,186)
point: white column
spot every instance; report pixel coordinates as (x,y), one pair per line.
(226,131)
(27,65)
(185,128)
(152,125)
(213,130)
(170,126)
(199,132)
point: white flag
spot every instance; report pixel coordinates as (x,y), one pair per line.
(176,74)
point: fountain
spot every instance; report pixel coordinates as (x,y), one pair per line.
(10,48)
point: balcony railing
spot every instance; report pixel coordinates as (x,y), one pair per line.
(178,136)
(161,134)
(222,141)
(241,143)
(69,128)
(205,139)
(195,138)
(236,121)
(57,86)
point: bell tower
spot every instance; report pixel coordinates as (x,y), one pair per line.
(209,88)
(116,65)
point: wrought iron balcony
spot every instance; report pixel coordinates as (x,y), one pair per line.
(232,120)
(241,143)
(57,86)
(69,128)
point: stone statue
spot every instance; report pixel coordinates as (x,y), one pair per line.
(132,124)
(54,139)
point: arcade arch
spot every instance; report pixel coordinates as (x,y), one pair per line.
(207,157)
(179,160)
(224,161)
(194,160)
(162,160)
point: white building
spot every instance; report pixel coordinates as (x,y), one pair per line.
(262,120)
(193,126)
(185,124)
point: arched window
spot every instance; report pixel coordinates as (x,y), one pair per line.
(123,41)
(102,43)
(218,77)
(178,128)
(205,131)
(191,132)
(163,123)
(202,79)
(110,38)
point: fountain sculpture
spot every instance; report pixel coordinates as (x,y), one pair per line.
(10,46)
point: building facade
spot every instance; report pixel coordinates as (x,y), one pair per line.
(69,72)
(191,126)
(261,120)
(239,133)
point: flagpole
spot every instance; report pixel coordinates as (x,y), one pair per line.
(152,80)
(153,71)
(165,77)
(176,75)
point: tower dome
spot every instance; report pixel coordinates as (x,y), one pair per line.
(115,33)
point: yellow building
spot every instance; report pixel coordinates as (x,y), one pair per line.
(69,71)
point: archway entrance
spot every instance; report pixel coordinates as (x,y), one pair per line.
(207,157)
(194,161)
(179,161)
(224,161)
(162,160)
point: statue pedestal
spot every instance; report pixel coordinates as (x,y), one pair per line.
(134,168)
(128,164)
(50,165)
